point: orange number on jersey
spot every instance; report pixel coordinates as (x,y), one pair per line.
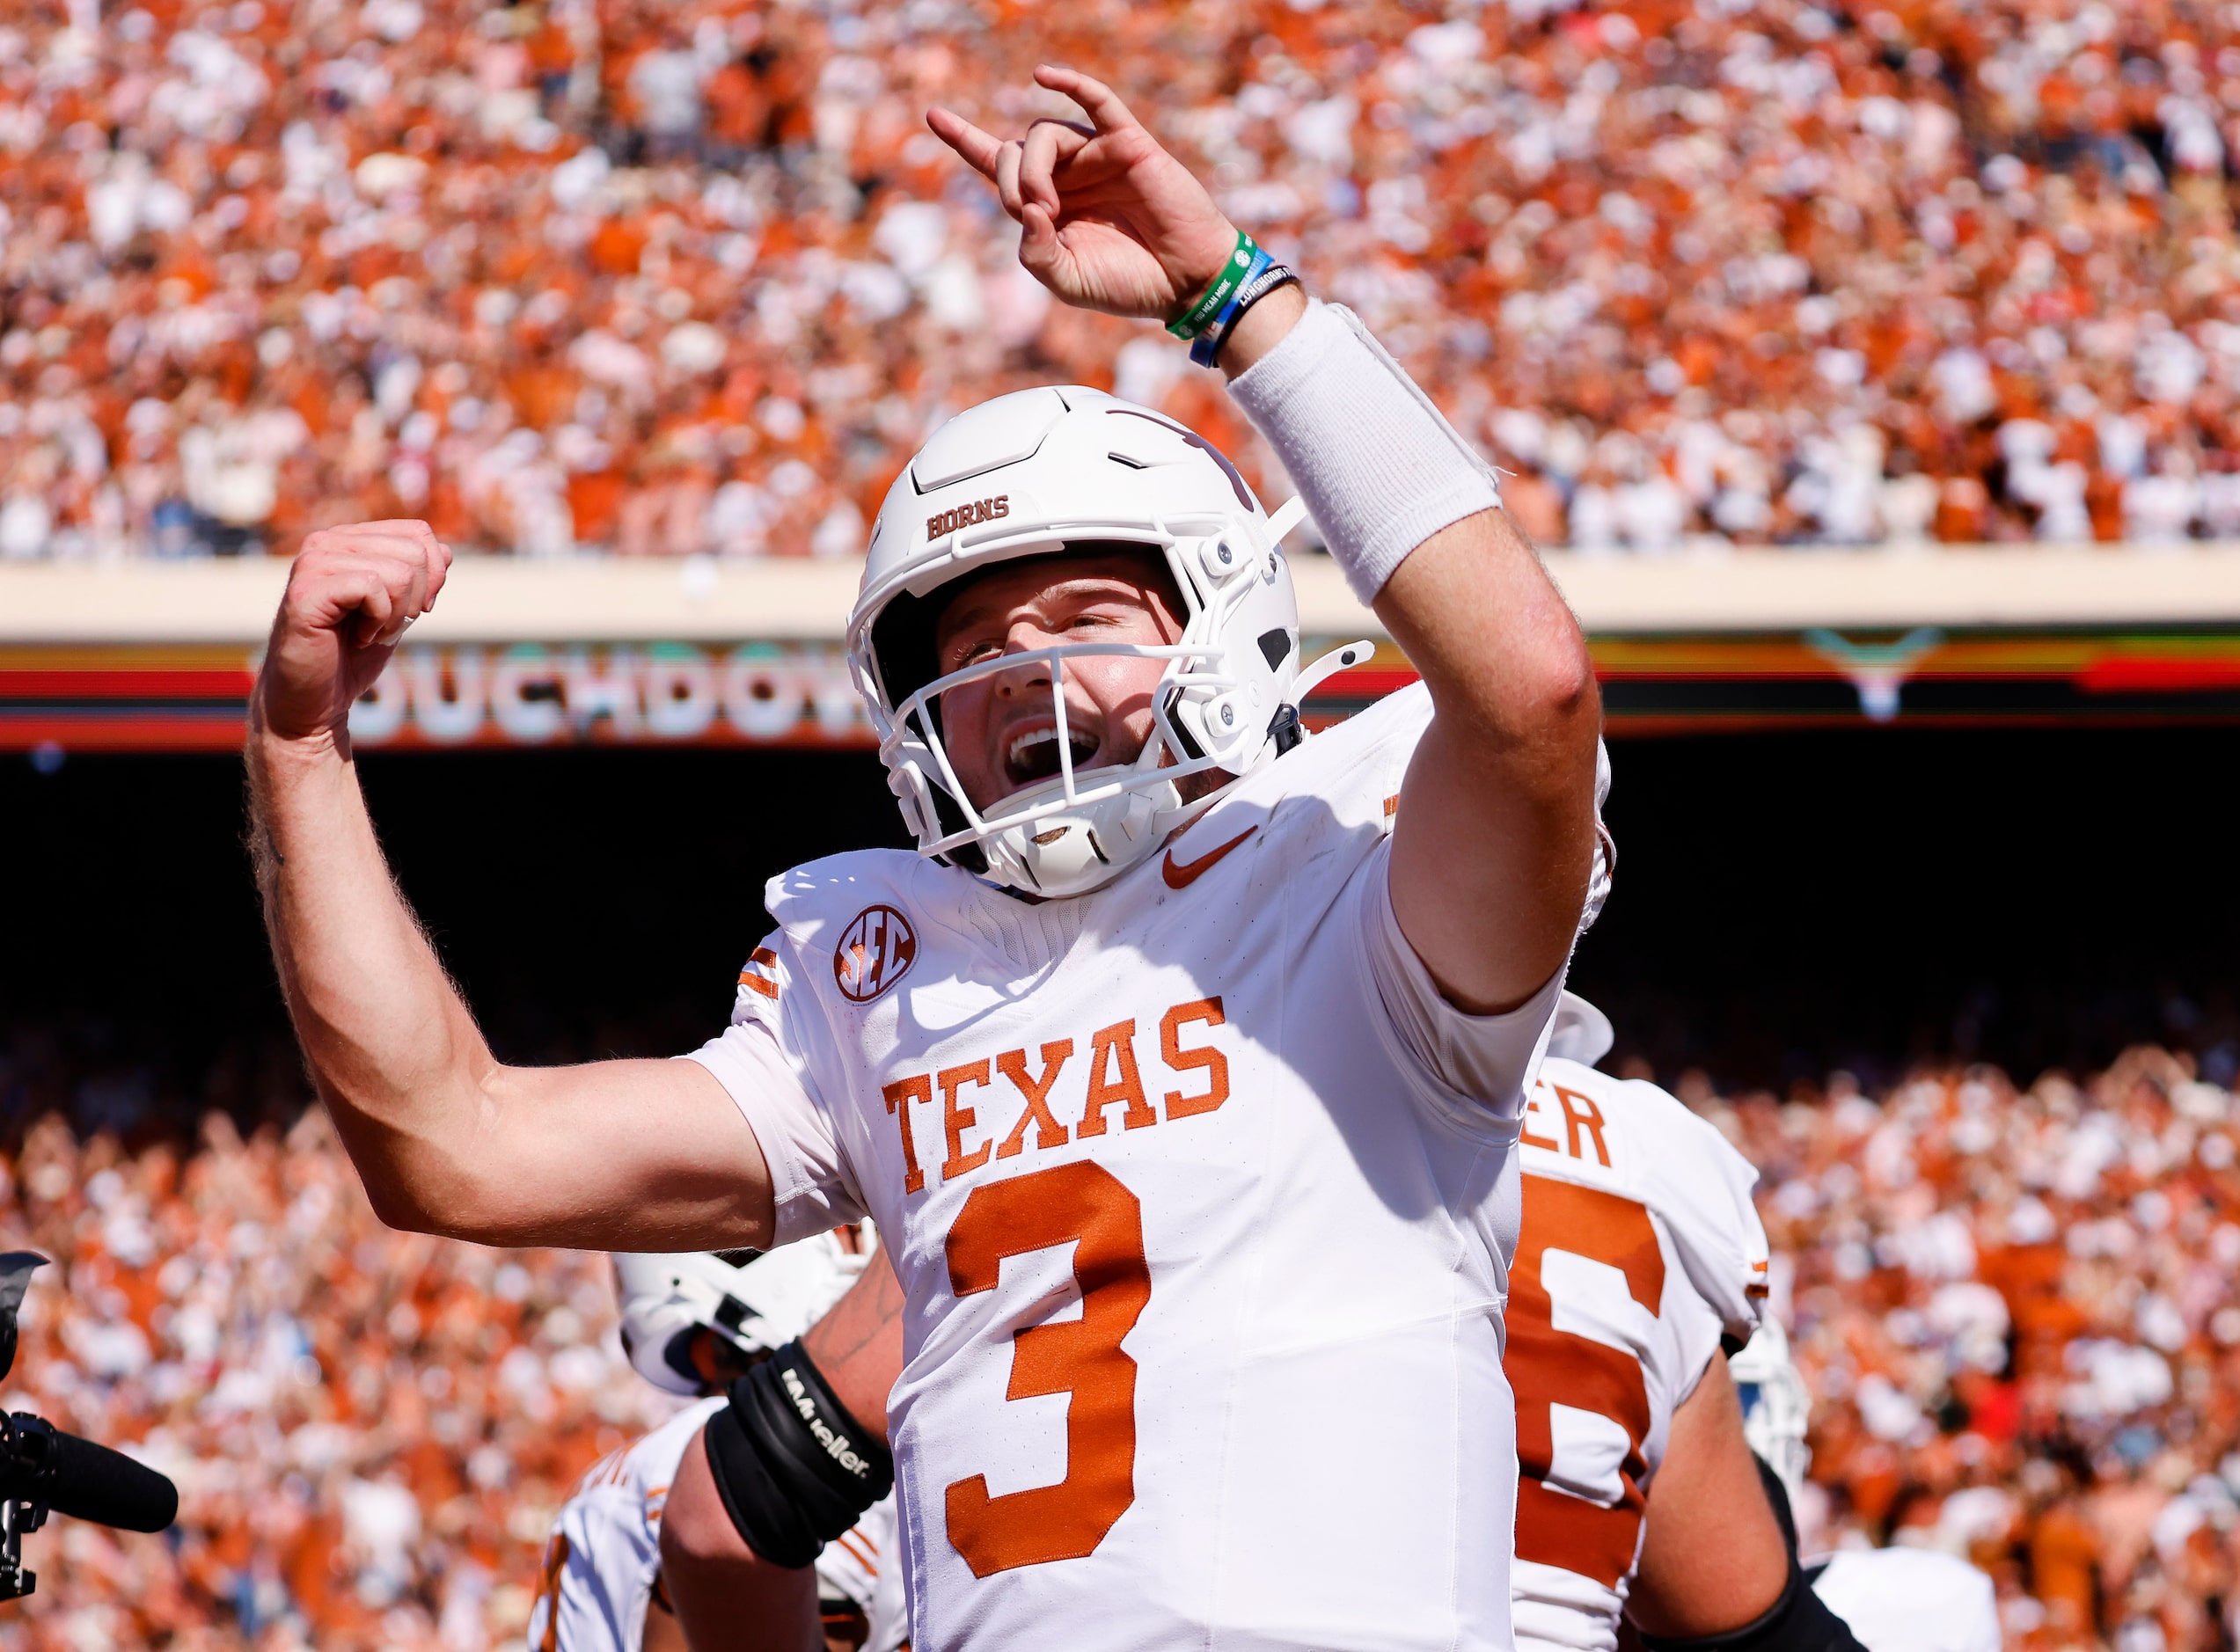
(1551,1367)
(1079,1203)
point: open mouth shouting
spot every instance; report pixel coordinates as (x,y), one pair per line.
(1031,753)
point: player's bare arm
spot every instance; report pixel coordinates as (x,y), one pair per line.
(1712,1555)
(717,1584)
(858,1345)
(625,1155)
(663,1633)
(1495,839)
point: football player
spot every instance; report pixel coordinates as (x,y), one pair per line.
(1895,1599)
(1642,1261)
(1182,1068)
(692,1324)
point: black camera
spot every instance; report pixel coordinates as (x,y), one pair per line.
(43,1469)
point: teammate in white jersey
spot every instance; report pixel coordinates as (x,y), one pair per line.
(690,1324)
(1896,1600)
(1183,1073)
(602,1589)
(1643,1262)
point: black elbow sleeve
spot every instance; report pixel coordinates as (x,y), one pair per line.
(795,1470)
(1799,1621)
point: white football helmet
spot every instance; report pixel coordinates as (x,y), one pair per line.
(1776,1408)
(1037,472)
(756,1303)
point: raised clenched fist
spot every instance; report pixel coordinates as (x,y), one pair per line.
(1108,219)
(350,596)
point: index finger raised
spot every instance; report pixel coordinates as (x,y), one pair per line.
(977,149)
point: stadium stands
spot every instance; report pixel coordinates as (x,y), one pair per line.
(2014,1310)
(675,277)
(370,1431)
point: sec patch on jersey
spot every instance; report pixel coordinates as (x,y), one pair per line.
(875,951)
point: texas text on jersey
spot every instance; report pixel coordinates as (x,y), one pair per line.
(603,1560)
(1177,1177)
(1640,1251)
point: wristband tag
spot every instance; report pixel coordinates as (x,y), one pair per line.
(1193,321)
(1254,286)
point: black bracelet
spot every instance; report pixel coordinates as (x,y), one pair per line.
(1274,276)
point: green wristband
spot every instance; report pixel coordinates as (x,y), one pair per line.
(1193,320)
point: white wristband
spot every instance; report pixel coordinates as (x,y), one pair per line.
(1379,467)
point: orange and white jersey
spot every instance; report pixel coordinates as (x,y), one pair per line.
(604,1558)
(1641,1249)
(1201,1198)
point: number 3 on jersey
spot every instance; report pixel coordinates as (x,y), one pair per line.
(1082,1204)
(1549,1368)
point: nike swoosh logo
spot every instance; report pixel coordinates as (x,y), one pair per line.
(1180,874)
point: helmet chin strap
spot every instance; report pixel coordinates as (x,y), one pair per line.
(1285,728)
(1286,517)
(1328,667)
(1284,521)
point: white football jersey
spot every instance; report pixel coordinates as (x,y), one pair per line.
(1911,1600)
(1201,1198)
(1641,1248)
(604,1556)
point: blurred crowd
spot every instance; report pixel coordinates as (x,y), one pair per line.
(2018,1311)
(683,276)
(370,1431)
